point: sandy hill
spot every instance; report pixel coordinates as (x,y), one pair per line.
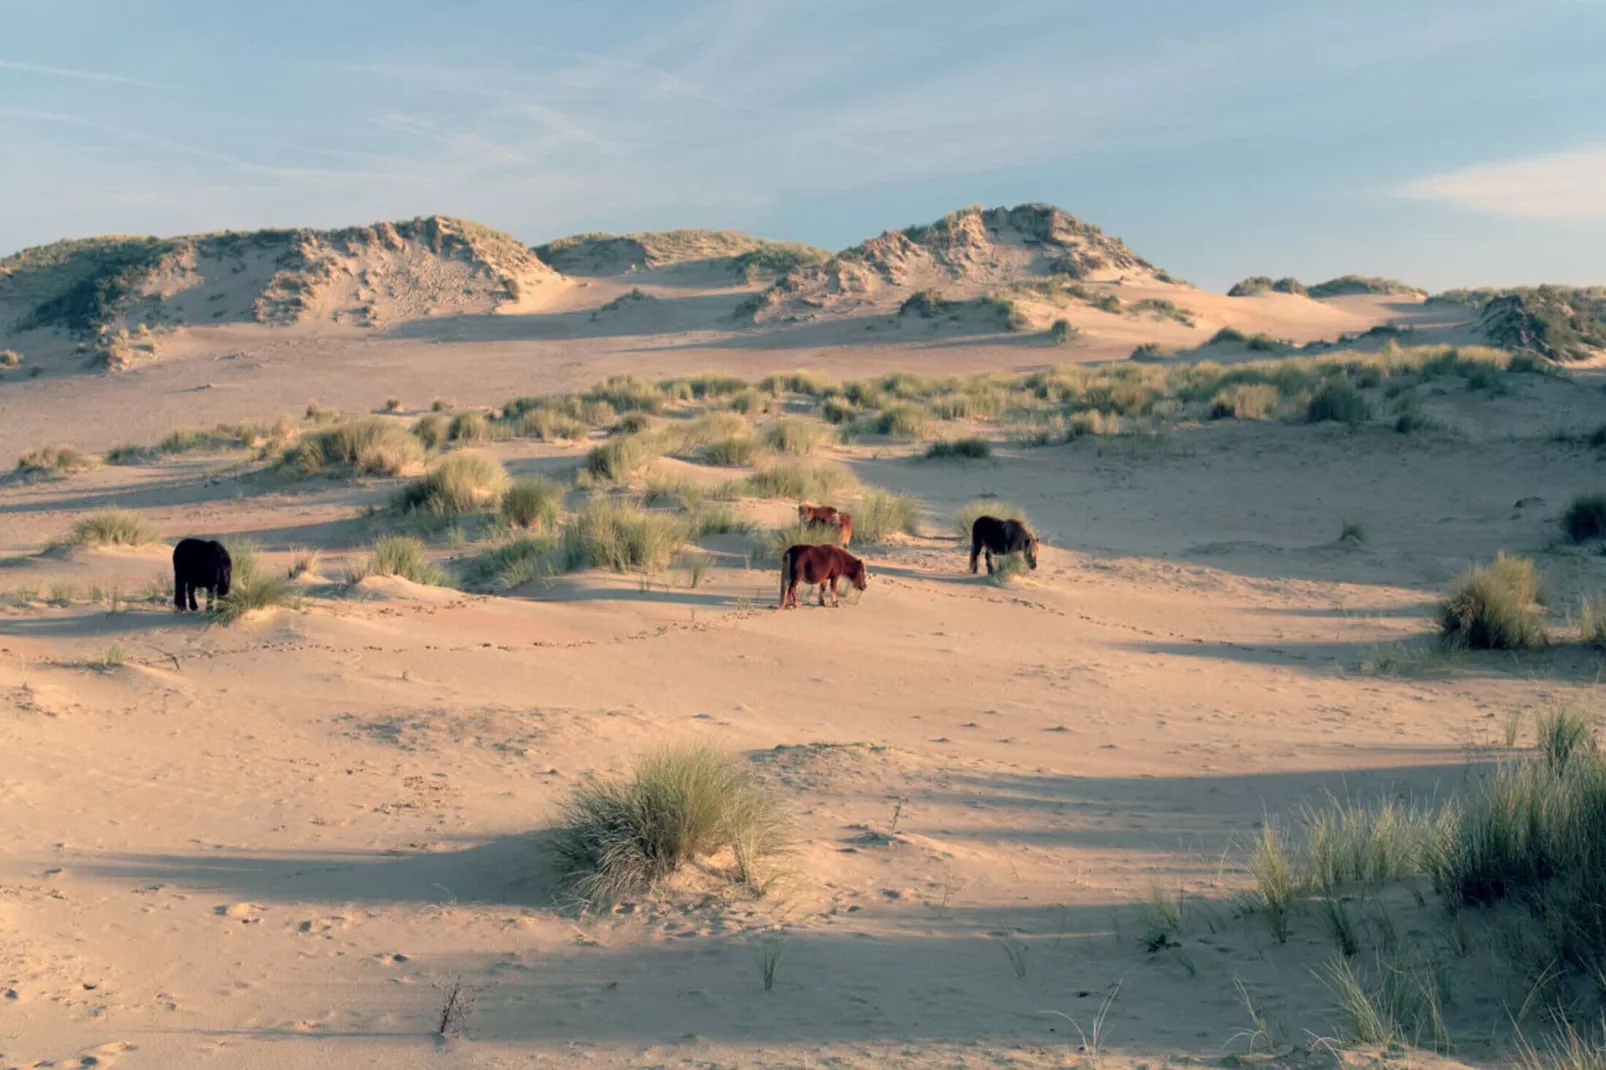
(740,255)
(963,255)
(363,275)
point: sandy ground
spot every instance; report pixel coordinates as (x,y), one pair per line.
(278,844)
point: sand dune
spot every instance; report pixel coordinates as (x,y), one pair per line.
(280,843)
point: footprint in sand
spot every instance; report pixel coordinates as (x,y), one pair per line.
(324,925)
(104,1054)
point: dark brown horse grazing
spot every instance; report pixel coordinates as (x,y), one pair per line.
(823,565)
(828,516)
(200,564)
(994,536)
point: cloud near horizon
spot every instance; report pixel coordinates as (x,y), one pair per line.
(1560,185)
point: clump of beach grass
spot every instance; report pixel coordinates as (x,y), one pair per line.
(532,502)
(816,482)
(965,517)
(795,434)
(622,836)
(112,527)
(517,561)
(251,587)
(461,483)
(618,534)
(403,555)
(1495,607)
(622,457)
(53,462)
(369,446)
(878,515)
(971,447)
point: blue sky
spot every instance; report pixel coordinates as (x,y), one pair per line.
(1449,142)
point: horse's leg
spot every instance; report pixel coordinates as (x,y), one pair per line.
(178,595)
(189,592)
(834,601)
(975,552)
(989,552)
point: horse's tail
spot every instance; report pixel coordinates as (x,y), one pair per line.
(786,574)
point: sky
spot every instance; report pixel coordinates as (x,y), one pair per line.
(1445,142)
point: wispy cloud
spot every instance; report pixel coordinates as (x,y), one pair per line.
(67,72)
(177,147)
(1562,185)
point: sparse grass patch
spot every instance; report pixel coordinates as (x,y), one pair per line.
(1008,569)
(1349,843)
(516,562)
(720,520)
(619,459)
(551,425)
(795,434)
(369,446)
(1531,834)
(734,452)
(1276,890)
(53,462)
(112,527)
(1337,400)
(1061,331)
(461,483)
(1563,732)
(1245,401)
(837,410)
(618,534)
(623,836)
(431,430)
(816,482)
(1352,531)
(403,555)
(1592,620)
(878,515)
(965,516)
(902,420)
(250,587)
(532,501)
(775,542)
(469,428)
(1585,517)
(1494,607)
(972,447)
(626,393)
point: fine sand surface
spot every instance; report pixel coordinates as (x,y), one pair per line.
(278,844)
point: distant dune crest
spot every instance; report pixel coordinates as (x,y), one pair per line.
(963,254)
(361,275)
(741,256)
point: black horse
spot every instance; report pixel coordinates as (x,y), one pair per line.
(991,535)
(200,564)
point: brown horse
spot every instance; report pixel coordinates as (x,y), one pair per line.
(823,565)
(828,516)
